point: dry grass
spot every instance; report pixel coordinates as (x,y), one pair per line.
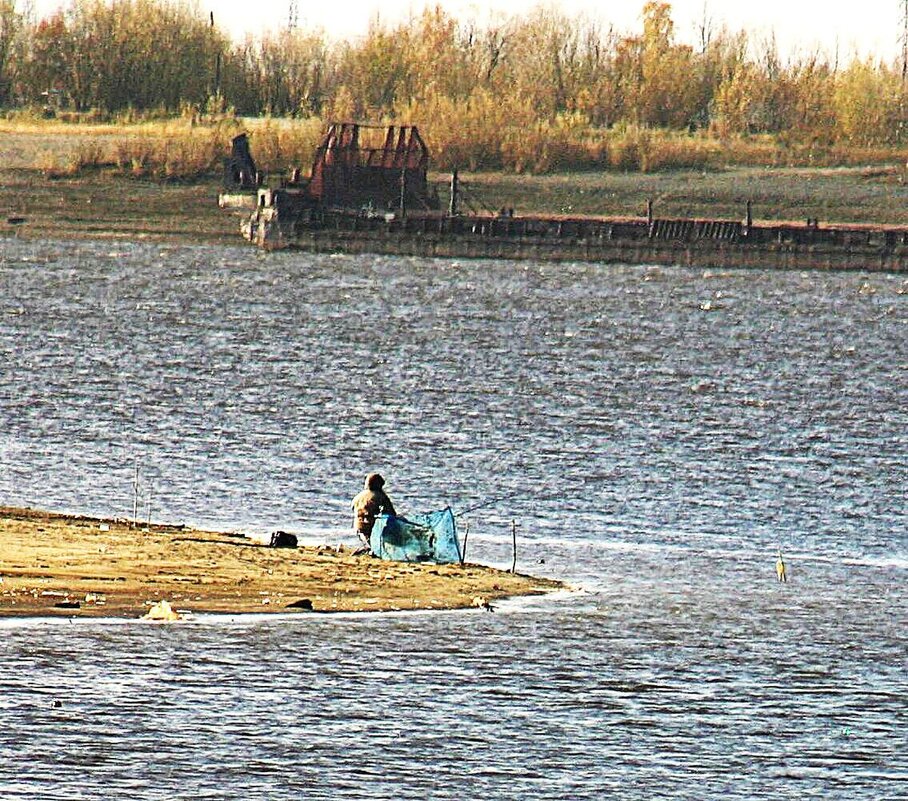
(178,149)
(280,145)
(191,148)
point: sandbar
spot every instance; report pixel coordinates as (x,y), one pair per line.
(54,564)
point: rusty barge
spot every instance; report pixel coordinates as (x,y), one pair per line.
(368,192)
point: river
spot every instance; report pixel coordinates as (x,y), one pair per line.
(657,435)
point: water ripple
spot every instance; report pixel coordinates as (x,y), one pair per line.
(658,456)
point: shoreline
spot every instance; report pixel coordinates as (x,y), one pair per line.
(59,565)
(99,205)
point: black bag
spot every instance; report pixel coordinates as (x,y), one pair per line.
(281,539)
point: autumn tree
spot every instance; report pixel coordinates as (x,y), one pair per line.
(442,58)
(374,70)
(12,24)
(127,53)
(291,70)
(867,101)
(756,96)
(652,76)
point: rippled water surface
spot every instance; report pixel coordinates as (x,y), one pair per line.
(660,433)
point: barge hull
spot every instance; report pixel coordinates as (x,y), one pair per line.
(691,254)
(713,244)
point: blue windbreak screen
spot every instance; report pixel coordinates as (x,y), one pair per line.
(430,537)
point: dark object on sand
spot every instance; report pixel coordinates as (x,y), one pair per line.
(282,539)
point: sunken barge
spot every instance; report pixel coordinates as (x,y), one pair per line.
(368,192)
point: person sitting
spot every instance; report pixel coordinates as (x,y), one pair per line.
(368,505)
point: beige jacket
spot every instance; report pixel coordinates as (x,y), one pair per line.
(370,503)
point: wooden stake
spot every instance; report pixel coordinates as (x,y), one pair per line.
(135,495)
(514,525)
(148,510)
(452,205)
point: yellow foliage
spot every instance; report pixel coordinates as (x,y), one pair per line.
(868,105)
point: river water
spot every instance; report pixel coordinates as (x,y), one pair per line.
(656,434)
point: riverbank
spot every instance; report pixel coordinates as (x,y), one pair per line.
(100,206)
(104,206)
(61,565)
(41,199)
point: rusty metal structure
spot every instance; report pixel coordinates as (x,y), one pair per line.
(381,167)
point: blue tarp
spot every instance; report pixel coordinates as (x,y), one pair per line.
(430,537)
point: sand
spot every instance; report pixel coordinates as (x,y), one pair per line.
(60,565)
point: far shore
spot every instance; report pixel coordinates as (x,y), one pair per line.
(102,204)
(56,565)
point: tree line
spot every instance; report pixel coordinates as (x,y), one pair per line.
(537,80)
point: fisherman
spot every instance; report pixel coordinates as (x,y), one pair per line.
(368,505)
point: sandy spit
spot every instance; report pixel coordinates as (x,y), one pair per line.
(54,564)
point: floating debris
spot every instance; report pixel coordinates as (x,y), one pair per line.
(162,610)
(482,603)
